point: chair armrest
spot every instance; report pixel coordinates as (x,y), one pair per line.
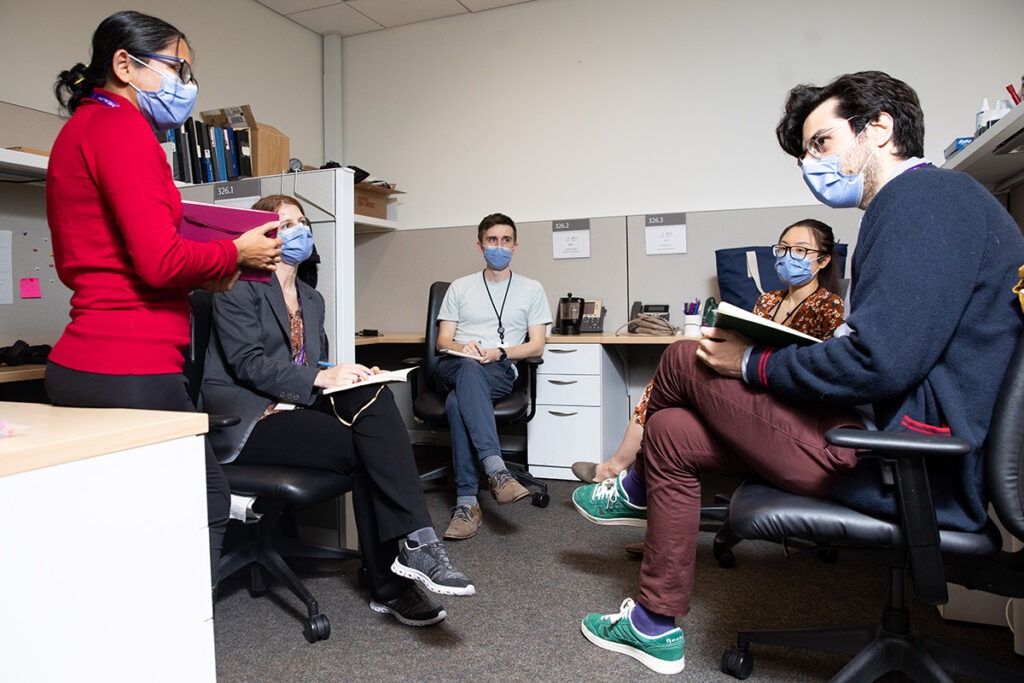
(531,363)
(222,421)
(905,453)
(897,444)
(412,361)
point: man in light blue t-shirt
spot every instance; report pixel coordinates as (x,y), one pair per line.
(487,315)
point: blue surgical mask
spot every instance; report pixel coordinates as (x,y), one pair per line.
(170,106)
(794,272)
(497,257)
(831,186)
(298,244)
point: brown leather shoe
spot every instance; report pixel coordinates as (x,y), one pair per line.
(585,472)
(505,488)
(635,549)
(465,523)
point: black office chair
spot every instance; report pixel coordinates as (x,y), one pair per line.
(518,407)
(914,541)
(279,491)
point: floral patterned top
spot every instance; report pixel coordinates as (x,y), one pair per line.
(818,315)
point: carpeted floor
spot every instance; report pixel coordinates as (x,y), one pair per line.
(537,572)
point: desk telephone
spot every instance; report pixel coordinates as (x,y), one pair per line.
(593,316)
(649,319)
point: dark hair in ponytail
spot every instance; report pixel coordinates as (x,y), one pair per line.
(132,31)
(829,276)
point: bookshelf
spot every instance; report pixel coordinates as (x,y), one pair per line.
(18,166)
(996,159)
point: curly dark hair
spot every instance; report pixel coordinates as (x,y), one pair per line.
(860,97)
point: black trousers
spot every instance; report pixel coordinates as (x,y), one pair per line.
(72,388)
(386,495)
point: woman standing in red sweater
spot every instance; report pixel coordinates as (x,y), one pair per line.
(113,211)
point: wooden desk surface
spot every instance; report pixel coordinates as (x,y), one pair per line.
(20,373)
(589,338)
(60,435)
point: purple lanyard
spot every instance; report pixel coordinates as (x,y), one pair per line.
(103,99)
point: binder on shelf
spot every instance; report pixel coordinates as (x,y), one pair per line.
(217,153)
(231,153)
(193,151)
(244,150)
(207,159)
(202,222)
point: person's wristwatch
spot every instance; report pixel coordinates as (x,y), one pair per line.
(503,354)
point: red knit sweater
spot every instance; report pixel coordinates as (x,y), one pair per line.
(113,212)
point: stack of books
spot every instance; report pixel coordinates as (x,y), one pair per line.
(205,153)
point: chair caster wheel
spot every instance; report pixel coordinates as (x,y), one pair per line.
(738,662)
(541,499)
(317,627)
(726,560)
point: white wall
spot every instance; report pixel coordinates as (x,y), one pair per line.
(571,108)
(244,54)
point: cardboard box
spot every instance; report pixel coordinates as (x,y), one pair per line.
(269,148)
(29,150)
(372,199)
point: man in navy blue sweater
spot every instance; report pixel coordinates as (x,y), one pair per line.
(931,326)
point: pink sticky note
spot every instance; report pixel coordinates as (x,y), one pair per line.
(30,288)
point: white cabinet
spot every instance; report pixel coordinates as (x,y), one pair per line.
(582,408)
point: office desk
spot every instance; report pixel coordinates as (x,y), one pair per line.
(21,373)
(583,394)
(105,543)
(607,339)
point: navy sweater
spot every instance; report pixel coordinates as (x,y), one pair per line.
(934,325)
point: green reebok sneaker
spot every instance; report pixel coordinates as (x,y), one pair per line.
(606,503)
(615,632)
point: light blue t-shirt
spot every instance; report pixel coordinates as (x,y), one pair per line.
(468,305)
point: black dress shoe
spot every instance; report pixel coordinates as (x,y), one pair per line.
(412,607)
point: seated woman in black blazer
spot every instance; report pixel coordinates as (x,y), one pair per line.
(263,364)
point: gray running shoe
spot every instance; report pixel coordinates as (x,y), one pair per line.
(430,565)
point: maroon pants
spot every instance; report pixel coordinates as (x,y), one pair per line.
(699,421)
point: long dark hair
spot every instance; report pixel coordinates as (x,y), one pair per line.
(132,31)
(829,276)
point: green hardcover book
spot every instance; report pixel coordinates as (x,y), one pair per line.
(760,330)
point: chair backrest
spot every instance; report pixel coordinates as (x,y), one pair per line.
(745,273)
(1004,456)
(430,355)
(201,302)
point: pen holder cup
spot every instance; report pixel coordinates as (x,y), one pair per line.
(691,325)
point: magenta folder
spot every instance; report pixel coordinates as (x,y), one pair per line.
(201,222)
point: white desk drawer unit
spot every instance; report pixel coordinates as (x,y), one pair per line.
(582,408)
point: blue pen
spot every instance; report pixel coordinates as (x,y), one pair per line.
(323,365)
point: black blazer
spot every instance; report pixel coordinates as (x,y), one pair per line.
(249,358)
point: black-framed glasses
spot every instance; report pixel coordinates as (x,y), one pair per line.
(183,68)
(799,253)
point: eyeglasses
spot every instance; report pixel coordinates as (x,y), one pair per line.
(798,253)
(816,145)
(184,69)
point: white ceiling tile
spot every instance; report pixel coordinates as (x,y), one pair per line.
(481,5)
(340,20)
(391,13)
(287,7)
